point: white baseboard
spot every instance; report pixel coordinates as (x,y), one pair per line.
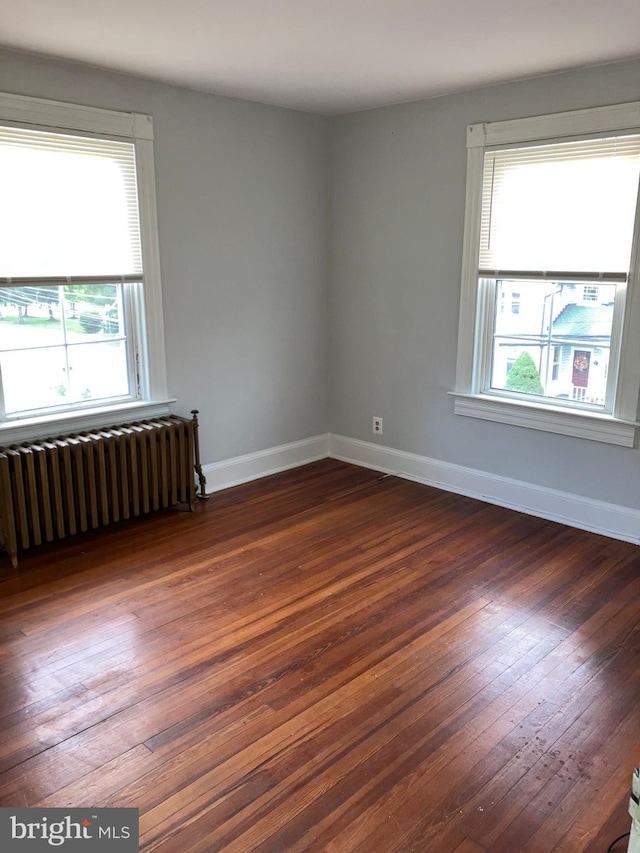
(618,522)
(252,466)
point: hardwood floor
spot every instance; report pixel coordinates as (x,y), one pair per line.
(328,660)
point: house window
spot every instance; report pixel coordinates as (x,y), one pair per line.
(551,208)
(555,366)
(80,310)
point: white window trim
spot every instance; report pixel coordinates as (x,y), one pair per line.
(621,426)
(132,127)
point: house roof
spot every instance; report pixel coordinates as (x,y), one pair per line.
(584,322)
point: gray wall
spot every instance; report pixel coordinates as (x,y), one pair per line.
(242,211)
(301,253)
(397,213)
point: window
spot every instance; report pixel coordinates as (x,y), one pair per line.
(551,227)
(80,310)
(555,367)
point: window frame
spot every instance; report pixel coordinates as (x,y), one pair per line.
(476,305)
(146,299)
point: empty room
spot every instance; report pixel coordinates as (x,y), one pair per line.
(319,426)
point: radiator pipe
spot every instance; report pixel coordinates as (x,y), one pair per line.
(202,480)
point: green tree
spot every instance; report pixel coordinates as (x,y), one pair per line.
(91,322)
(524,376)
(48,296)
(20,297)
(23,297)
(99,295)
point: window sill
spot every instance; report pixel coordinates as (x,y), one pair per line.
(589,425)
(66,422)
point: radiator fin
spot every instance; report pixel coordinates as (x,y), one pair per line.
(60,486)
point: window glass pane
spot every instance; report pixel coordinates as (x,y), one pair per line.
(98,371)
(557,345)
(30,314)
(34,379)
(63,345)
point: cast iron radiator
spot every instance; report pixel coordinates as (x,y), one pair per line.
(54,487)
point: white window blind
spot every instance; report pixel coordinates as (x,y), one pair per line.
(69,208)
(562,208)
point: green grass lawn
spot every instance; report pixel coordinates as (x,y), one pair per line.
(73,325)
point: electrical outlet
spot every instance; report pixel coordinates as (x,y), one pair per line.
(377,426)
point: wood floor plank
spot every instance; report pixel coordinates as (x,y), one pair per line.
(328,659)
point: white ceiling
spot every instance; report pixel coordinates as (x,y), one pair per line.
(327,56)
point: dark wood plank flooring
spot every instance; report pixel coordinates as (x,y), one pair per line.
(328,660)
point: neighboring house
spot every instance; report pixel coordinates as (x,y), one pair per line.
(581,334)
(570,351)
